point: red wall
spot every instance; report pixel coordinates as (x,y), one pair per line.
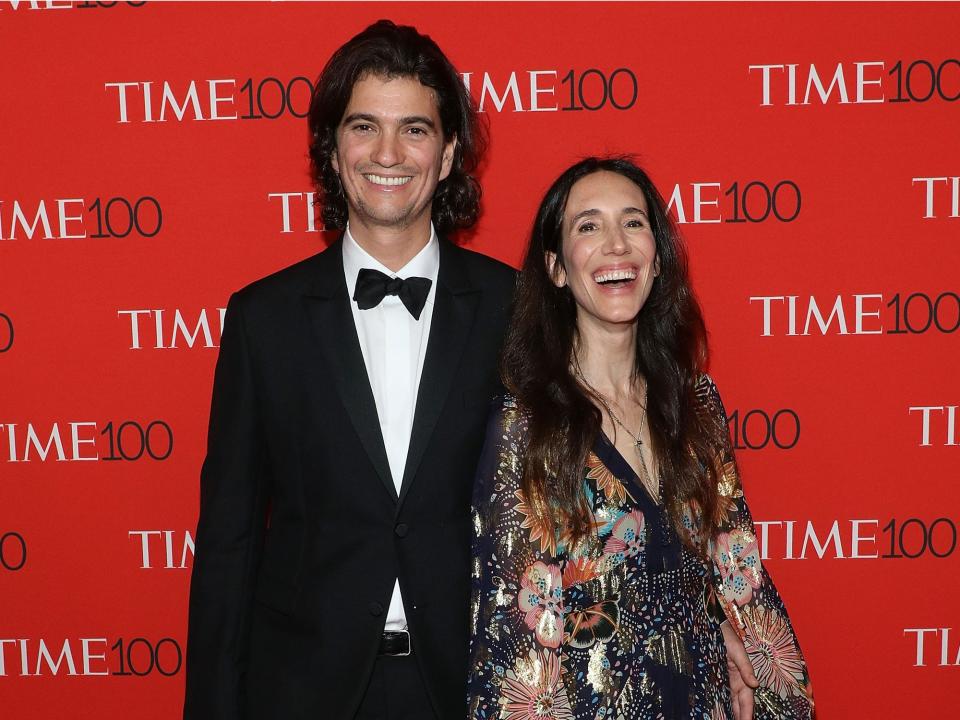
(841,466)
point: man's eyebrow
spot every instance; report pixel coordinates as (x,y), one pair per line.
(635,210)
(418,120)
(352,117)
(408,120)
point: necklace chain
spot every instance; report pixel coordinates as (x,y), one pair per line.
(637,438)
(653,488)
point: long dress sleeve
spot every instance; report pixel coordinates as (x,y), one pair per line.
(516,657)
(748,596)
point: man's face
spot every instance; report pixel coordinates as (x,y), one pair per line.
(391,153)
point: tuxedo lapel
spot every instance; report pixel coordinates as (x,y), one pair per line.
(328,305)
(455,305)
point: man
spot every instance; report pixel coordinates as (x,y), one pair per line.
(331,576)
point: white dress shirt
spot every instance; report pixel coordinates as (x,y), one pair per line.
(393,344)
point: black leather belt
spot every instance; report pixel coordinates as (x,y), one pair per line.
(395,643)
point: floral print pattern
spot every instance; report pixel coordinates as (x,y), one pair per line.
(738,560)
(628,536)
(579,570)
(624,625)
(533,690)
(538,529)
(541,600)
(607,482)
(774,654)
(596,623)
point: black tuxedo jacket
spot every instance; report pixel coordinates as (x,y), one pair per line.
(301,531)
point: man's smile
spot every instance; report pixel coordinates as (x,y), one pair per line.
(387,179)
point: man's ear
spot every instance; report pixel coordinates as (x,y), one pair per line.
(656,265)
(334,162)
(555,269)
(446,160)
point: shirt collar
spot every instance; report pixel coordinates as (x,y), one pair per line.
(425,263)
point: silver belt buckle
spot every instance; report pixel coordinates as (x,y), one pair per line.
(409,643)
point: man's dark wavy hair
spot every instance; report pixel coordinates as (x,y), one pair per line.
(392,51)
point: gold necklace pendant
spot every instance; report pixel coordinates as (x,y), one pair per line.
(653,489)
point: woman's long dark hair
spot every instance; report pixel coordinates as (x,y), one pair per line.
(671,354)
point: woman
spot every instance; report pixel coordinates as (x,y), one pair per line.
(616,571)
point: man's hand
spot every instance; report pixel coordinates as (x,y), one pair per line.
(742,678)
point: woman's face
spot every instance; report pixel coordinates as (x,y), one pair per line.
(609,253)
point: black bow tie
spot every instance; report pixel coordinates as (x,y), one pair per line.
(373,286)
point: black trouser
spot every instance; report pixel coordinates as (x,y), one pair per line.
(396,692)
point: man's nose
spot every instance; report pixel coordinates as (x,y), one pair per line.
(387,150)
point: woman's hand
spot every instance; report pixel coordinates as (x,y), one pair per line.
(742,678)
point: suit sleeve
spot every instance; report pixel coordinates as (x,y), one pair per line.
(517,623)
(229,535)
(748,596)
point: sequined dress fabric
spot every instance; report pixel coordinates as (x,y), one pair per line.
(625,625)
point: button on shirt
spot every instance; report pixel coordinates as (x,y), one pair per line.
(394,345)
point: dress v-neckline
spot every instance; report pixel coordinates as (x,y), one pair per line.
(609,455)
(665,552)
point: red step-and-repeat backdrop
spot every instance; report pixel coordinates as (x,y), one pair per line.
(153,160)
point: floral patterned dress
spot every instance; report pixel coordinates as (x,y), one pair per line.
(625,625)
